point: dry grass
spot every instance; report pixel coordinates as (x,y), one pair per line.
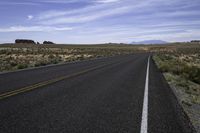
(16,56)
(19,56)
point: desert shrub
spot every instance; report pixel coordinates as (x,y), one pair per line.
(54,61)
(80,58)
(170,63)
(177,68)
(192,73)
(164,67)
(51,56)
(13,64)
(22,66)
(183,83)
(40,64)
(4,51)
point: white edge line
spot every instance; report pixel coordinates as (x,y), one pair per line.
(144,122)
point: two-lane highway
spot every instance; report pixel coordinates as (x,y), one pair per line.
(98,96)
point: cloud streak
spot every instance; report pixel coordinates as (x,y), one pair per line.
(29,17)
(91,13)
(86,18)
(75,12)
(34,29)
(107,1)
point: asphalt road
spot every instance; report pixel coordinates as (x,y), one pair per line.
(98,96)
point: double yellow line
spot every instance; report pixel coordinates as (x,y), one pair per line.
(48,82)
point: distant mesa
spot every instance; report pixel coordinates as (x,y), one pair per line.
(195,41)
(48,42)
(24,41)
(27,41)
(150,42)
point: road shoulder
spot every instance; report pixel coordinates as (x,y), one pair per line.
(185,110)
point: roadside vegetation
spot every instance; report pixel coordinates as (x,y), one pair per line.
(181,69)
(21,56)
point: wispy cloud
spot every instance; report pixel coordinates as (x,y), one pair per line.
(41,2)
(29,17)
(89,13)
(86,18)
(19,3)
(54,2)
(60,1)
(34,29)
(107,1)
(75,1)
(72,12)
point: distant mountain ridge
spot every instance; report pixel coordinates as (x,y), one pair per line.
(150,42)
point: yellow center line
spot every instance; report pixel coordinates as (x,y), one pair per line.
(48,82)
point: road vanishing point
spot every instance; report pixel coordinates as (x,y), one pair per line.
(121,94)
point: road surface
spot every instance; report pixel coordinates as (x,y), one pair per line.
(122,94)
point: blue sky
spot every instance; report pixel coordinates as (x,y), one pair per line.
(99,21)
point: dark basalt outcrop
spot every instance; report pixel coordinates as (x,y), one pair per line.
(48,42)
(195,41)
(24,41)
